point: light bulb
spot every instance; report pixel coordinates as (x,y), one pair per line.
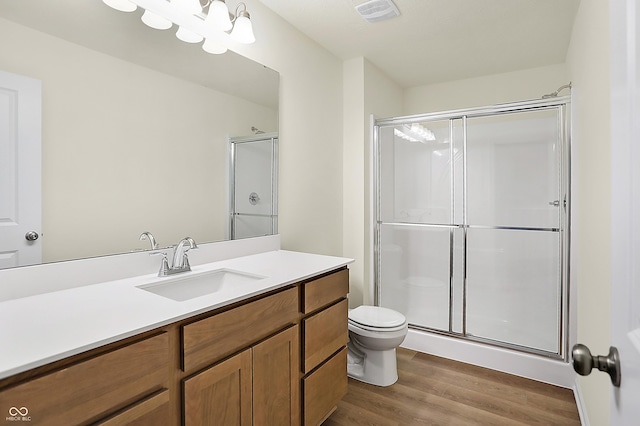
(243,30)
(155,21)
(218,16)
(188,36)
(213,46)
(121,5)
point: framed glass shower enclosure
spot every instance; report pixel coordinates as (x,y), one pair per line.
(253,186)
(472,223)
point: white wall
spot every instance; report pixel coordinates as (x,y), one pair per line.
(588,62)
(104,184)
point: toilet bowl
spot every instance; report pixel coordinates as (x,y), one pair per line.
(374,334)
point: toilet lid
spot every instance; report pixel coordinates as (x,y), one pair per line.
(376,316)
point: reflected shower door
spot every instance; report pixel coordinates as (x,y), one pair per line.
(253,186)
(514,204)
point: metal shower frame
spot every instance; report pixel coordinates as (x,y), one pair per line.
(563,105)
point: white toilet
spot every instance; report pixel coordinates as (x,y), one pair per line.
(374,334)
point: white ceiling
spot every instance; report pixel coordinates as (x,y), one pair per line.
(439,40)
(431,41)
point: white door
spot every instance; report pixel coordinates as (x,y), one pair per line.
(20,174)
(625,212)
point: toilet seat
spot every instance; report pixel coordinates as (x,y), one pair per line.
(377,318)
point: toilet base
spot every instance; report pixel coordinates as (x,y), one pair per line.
(373,367)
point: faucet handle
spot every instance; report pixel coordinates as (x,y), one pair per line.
(164,266)
(185,262)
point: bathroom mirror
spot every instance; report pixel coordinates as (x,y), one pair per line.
(135,125)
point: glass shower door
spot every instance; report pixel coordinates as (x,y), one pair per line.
(471,223)
(415,231)
(514,204)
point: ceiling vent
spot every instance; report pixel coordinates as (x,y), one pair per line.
(377,10)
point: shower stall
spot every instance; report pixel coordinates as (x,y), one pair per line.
(253,186)
(471,223)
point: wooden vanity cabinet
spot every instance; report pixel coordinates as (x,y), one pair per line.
(324,353)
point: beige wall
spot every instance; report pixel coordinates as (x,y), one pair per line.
(310,186)
(161,168)
(366,91)
(486,90)
(354,175)
(588,62)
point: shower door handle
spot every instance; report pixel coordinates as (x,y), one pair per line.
(555,203)
(583,362)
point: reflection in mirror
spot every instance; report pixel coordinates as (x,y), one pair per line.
(254,203)
(135,125)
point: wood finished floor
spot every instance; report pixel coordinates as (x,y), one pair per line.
(436,391)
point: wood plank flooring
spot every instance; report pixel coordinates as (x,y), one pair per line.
(436,391)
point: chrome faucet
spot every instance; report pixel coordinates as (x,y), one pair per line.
(180,261)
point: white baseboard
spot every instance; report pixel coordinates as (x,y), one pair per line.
(582,409)
(555,372)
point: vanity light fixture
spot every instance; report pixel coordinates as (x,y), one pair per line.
(216,27)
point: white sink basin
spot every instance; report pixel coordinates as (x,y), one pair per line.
(189,285)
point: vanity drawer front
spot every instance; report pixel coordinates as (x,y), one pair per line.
(151,411)
(324,388)
(324,333)
(94,388)
(210,339)
(325,290)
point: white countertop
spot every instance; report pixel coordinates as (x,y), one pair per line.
(47,327)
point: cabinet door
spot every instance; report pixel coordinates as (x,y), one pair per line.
(276,384)
(220,395)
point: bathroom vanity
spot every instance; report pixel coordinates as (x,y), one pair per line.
(270,351)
